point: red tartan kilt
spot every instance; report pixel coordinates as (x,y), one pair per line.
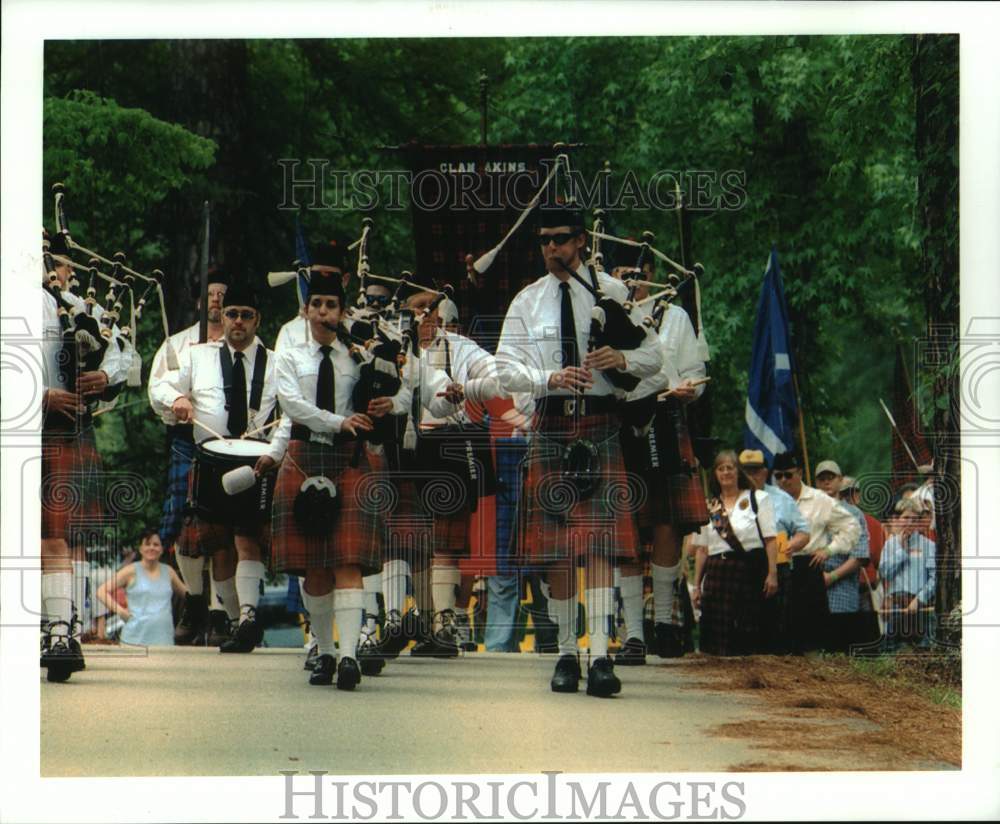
(353,538)
(555,522)
(203,538)
(732,601)
(72,490)
(482,541)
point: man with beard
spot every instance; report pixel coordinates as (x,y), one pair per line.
(227,388)
(180,449)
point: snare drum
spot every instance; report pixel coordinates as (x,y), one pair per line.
(213,459)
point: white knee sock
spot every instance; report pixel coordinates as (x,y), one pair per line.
(563,615)
(249,574)
(214,596)
(191,571)
(348,606)
(443,582)
(663,592)
(372,585)
(57,599)
(226,591)
(321,620)
(81,571)
(599,609)
(631,589)
(394,575)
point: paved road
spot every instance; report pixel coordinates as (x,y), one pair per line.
(183,711)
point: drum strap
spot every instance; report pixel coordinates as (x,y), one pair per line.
(256,382)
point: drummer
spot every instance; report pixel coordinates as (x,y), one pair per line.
(674,500)
(464,362)
(331,544)
(226,389)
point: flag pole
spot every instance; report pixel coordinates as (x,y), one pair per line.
(802,429)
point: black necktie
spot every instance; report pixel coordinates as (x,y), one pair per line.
(568,328)
(238,398)
(324,384)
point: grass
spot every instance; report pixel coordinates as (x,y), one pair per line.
(935,676)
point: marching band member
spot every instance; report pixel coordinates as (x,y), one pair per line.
(71,465)
(460,446)
(572,508)
(180,448)
(325,518)
(326,257)
(658,451)
(227,387)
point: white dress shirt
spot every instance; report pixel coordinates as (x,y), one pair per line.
(159,389)
(114,364)
(530,348)
(680,352)
(831,526)
(743,524)
(200,380)
(293,333)
(470,365)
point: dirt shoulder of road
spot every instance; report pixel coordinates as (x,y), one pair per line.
(912,705)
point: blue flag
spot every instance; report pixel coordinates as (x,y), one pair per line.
(771,409)
(301,255)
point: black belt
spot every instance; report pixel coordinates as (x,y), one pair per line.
(567,406)
(301,432)
(734,555)
(181,431)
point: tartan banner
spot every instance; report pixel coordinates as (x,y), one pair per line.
(464,199)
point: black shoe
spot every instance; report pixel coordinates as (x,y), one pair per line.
(348,674)
(394,636)
(193,618)
(463,631)
(369,659)
(62,657)
(632,654)
(246,638)
(567,676)
(443,641)
(669,641)
(220,629)
(322,672)
(311,655)
(601,678)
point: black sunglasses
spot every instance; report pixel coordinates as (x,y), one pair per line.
(779,474)
(242,314)
(377,300)
(559,239)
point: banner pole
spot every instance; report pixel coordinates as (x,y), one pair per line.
(802,429)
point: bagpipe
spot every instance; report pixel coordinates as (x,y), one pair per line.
(88,326)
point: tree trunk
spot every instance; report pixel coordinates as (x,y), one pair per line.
(935,81)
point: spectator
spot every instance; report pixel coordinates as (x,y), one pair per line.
(841,575)
(833,532)
(908,569)
(149,585)
(735,566)
(793,535)
(868,581)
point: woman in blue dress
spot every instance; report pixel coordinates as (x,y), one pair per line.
(149,586)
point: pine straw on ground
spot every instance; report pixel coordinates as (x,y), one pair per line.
(906,729)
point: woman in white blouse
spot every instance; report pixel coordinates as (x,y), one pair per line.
(736,561)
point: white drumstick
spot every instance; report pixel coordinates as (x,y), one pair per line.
(211,431)
(692,384)
(260,429)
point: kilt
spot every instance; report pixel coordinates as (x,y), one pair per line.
(670,496)
(808,609)
(458,484)
(201,536)
(555,521)
(353,538)
(72,489)
(181,452)
(732,597)
(404,530)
